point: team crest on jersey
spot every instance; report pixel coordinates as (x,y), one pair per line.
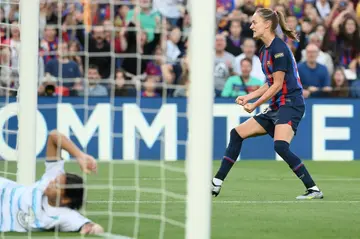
(268,63)
(26,219)
(278,55)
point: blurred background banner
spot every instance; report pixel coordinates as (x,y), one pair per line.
(329,131)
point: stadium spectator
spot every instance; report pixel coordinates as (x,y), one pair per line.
(70,71)
(6,78)
(14,12)
(49,43)
(354,66)
(150,86)
(293,24)
(98,45)
(248,8)
(147,18)
(169,9)
(92,85)
(176,74)
(172,50)
(14,43)
(137,42)
(224,64)
(153,67)
(74,55)
(184,24)
(297,8)
(346,29)
(233,38)
(241,84)
(2,15)
(323,7)
(122,86)
(314,76)
(323,58)
(120,18)
(339,84)
(355,89)
(249,49)
(306,29)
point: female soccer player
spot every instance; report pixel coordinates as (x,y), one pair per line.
(53,201)
(280,120)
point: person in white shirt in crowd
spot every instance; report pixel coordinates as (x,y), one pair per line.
(223,64)
(172,50)
(249,47)
(171,9)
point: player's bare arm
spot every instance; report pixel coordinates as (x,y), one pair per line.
(243,100)
(57,141)
(278,77)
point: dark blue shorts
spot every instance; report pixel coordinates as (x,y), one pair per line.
(286,114)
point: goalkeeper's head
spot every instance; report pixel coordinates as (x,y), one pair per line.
(66,190)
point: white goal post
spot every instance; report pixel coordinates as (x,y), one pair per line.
(200,115)
(27,103)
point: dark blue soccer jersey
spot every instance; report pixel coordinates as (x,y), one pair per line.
(278,57)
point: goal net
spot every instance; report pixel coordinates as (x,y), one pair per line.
(112,75)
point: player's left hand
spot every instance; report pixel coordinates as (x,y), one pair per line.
(91,228)
(249,107)
(87,163)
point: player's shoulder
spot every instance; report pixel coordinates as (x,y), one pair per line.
(279,46)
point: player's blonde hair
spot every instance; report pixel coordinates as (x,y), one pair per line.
(276,18)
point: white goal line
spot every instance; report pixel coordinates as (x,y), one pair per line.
(242,179)
(227,202)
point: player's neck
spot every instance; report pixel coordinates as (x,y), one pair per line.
(267,39)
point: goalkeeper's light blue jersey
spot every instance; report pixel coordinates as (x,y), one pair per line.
(26,208)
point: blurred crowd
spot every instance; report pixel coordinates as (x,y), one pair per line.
(132,47)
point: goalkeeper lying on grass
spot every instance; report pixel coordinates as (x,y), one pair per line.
(53,201)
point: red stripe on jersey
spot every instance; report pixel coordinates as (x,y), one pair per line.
(284,93)
(268,74)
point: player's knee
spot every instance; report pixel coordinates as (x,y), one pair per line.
(281,147)
(53,135)
(234,136)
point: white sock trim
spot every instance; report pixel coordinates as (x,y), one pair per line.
(315,188)
(217,181)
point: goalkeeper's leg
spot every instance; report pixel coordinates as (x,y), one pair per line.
(249,128)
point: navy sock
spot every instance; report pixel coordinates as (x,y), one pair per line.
(231,154)
(282,148)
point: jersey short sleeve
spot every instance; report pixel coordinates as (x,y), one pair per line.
(72,221)
(280,56)
(53,169)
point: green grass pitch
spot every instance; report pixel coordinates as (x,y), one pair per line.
(257,201)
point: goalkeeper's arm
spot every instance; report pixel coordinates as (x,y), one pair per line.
(57,142)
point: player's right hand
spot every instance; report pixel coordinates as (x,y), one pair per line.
(242,100)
